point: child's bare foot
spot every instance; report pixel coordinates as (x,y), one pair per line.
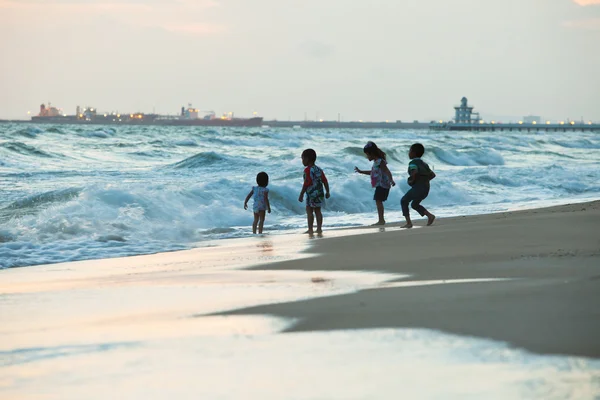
(430,220)
(309,232)
(407,226)
(379,223)
(319,231)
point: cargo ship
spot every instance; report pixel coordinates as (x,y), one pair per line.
(188,117)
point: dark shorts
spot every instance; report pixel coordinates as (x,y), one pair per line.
(381,194)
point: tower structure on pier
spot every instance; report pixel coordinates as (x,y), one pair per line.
(464,113)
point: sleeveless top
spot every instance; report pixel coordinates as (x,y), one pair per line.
(259,198)
(378,178)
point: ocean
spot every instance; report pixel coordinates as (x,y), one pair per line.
(88,192)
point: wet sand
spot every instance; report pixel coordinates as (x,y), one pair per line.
(295,317)
(550,303)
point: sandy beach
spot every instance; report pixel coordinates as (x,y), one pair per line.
(548,304)
(510,300)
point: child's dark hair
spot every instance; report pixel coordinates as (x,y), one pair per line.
(262,179)
(371,148)
(418,149)
(310,155)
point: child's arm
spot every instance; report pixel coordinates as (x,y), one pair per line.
(306,184)
(248,198)
(301,197)
(326,185)
(413,177)
(386,171)
(365,172)
(267,202)
(433,175)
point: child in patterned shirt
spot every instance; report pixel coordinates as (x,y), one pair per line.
(314,181)
(381,177)
(260,195)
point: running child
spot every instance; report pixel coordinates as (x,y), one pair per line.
(314,181)
(260,195)
(381,177)
(419,176)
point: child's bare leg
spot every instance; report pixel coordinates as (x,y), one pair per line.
(406,199)
(380,212)
(408,224)
(430,218)
(319,216)
(255,223)
(310,219)
(423,211)
(261,221)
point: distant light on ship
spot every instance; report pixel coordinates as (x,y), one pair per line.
(493,122)
(572,122)
(520,122)
(562,122)
(534,122)
(547,122)
(441,121)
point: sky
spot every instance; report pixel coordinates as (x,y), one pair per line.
(369,60)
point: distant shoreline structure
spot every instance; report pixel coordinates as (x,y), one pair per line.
(188,117)
(465,119)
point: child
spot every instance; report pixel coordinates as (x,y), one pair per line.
(314,180)
(261,201)
(381,177)
(420,175)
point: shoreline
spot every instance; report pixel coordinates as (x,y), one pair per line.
(505,299)
(548,260)
(551,256)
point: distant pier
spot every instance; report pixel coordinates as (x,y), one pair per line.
(516,127)
(346,125)
(465,119)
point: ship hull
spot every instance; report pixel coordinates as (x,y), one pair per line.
(236,122)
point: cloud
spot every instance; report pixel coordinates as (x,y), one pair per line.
(195,29)
(177,16)
(587,24)
(317,49)
(587,2)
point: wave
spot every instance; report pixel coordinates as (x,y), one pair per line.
(101,133)
(29,132)
(44,198)
(142,191)
(30,205)
(210,159)
(186,142)
(24,149)
(468,157)
(577,144)
(200,160)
